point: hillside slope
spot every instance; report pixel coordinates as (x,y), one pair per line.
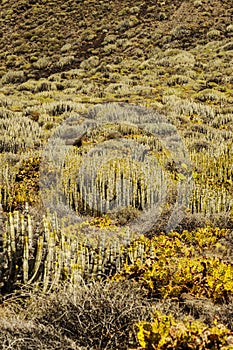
(173,56)
(59,58)
(70,31)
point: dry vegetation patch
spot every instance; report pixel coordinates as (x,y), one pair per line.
(62,61)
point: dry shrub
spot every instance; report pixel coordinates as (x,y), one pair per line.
(95,316)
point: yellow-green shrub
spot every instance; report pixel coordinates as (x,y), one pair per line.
(203,238)
(167,333)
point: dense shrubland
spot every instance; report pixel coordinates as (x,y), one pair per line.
(132,108)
